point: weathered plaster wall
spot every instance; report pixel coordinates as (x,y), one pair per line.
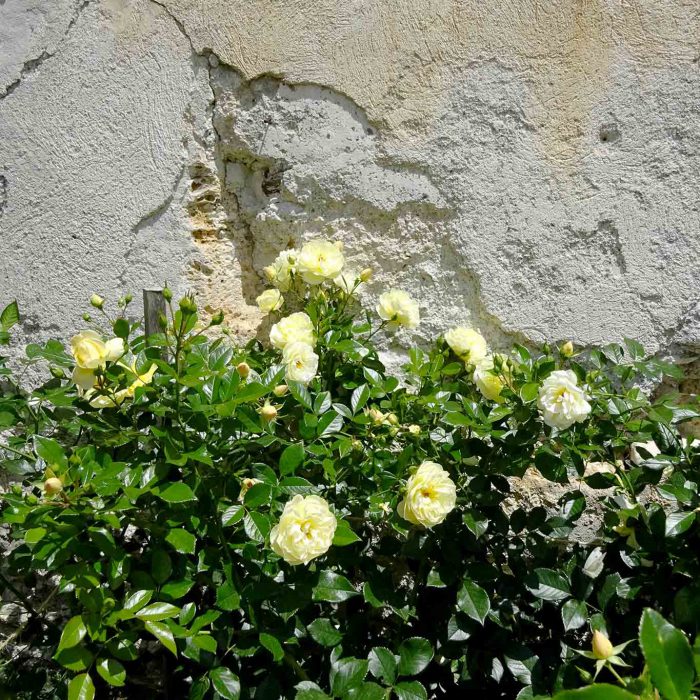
(529,167)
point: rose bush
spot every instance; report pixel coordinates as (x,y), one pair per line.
(289,520)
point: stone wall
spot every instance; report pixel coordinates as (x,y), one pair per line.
(531,168)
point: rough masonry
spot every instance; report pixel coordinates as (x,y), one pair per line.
(529,167)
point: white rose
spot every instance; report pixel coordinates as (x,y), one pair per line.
(562,401)
(650,448)
(305,530)
(281,271)
(295,328)
(467,344)
(430,496)
(397,307)
(270,300)
(320,261)
(301,362)
(488,381)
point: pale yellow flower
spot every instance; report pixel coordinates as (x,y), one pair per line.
(430,495)
(468,344)
(281,271)
(561,401)
(320,261)
(305,530)
(488,381)
(111,401)
(301,362)
(347,282)
(295,328)
(398,308)
(91,351)
(270,300)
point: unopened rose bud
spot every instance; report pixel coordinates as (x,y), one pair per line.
(97,301)
(269,273)
(601,646)
(188,305)
(217,319)
(393,419)
(268,412)
(243,369)
(366,274)
(57,372)
(376,416)
(357,446)
(339,245)
(414,429)
(162,321)
(167,294)
(128,298)
(280,390)
(53,486)
(393,431)
(87,318)
(567,350)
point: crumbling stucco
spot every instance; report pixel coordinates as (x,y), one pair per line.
(531,168)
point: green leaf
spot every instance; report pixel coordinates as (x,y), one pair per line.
(50,451)
(359,397)
(344,534)
(474,601)
(333,588)
(137,600)
(668,656)
(410,690)
(291,458)
(112,671)
(677,523)
(573,614)
(182,541)
(158,611)
(9,316)
(548,585)
(227,597)
(529,392)
(415,654)
(301,394)
(256,526)
(232,515)
(382,664)
(121,328)
(367,691)
(178,492)
(34,534)
(329,424)
(599,691)
(81,688)
(163,634)
(323,632)
(307,690)
(346,674)
(272,645)
(225,683)
(72,634)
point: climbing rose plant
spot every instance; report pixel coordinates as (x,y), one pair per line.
(191,518)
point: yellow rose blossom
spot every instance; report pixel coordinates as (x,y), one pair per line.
(300,361)
(320,261)
(110,401)
(399,309)
(430,495)
(270,300)
(282,269)
(295,328)
(91,352)
(468,344)
(304,531)
(488,380)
